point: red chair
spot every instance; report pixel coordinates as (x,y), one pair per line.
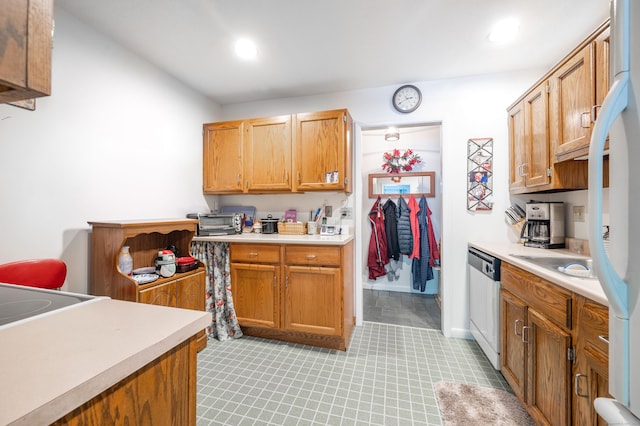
(41,273)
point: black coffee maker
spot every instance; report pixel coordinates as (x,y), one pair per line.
(544,227)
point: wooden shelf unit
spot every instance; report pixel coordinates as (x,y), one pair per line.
(145,238)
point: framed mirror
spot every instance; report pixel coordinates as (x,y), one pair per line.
(392,186)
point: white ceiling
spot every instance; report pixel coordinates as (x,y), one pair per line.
(311,47)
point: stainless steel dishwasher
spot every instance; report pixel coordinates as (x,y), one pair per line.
(484,302)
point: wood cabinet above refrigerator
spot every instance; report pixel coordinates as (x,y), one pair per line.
(26,41)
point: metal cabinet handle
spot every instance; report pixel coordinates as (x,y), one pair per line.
(604,339)
(275,280)
(523,166)
(585,119)
(239,180)
(286,281)
(576,385)
(286,176)
(524,340)
(515,327)
(253,253)
(594,112)
(311,256)
(299,177)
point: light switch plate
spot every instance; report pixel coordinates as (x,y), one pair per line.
(578,214)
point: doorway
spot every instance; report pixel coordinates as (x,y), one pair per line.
(391,299)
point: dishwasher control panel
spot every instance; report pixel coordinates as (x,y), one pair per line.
(485,263)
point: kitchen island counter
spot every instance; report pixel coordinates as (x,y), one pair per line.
(587,287)
(316,240)
(52,363)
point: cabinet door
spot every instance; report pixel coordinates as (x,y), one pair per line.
(222,157)
(516,147)
(267,154)
(313,300)
(25,42)
(161,294)
(323,151)
(513,312)
(536,136)
(549,371)
(190,292)
(573,90)
(255,294)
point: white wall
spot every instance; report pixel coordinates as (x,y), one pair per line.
(120,140)
(467,108)
(117,139)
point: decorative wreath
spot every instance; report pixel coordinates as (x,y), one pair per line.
(394,162)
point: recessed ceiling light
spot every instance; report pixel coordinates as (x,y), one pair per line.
(246,49)
(504,30)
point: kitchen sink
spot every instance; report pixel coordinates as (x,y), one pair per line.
(574,266)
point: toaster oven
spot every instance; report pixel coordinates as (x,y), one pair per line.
(217,223)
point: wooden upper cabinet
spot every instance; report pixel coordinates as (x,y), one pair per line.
(516,146)
(536,136)
(557,119)
(267,159)
(223,157)
(323,151)
(529,140)
(274,155)
(25,43)
(573,91)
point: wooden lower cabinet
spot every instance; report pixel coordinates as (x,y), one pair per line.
(536,338)
(312,300)
(255,294)
(513,351)
(297,293)
(591,372)
(549,370)
(554,349)
(162,392)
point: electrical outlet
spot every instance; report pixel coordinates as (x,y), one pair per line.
(578,213)
(346,213)
(328,211)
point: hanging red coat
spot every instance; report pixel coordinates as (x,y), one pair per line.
(434,253)
(378,256)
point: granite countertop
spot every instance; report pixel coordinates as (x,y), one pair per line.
(52,363)
(326,240)
(587,287)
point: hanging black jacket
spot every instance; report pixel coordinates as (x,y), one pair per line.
(405,237)
(391,229)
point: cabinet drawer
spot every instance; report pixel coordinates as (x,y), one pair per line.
(595,323)
(312,255)
(255,253)
(538,293)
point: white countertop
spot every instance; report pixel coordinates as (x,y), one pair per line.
(251,237)
(587,287)
(52,363)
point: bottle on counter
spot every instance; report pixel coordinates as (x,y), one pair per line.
(125,261)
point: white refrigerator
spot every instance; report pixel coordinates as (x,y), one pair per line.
(619,270)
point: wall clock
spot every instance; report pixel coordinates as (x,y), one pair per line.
(407,98)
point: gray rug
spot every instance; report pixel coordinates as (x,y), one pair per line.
(462,404)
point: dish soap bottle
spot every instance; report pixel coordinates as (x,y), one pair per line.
(125,261)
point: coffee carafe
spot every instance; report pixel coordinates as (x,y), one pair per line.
(544,227)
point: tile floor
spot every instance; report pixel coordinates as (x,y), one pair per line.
(391,307)
(386,377)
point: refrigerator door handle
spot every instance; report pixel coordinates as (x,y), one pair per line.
(613,285)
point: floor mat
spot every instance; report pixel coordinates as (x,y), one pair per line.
(462,404)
